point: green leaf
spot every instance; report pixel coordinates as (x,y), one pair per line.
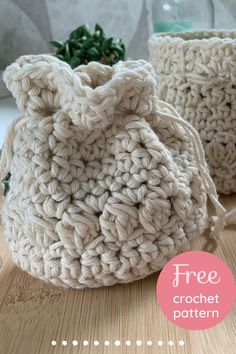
(94,54)
(61,57)
(75,62)
(99,30)
(76,45)
(6,182)
(60,51)
(106,44)
(77,33)
(56,44)
(96,36)
(118,51)
(87,31)
(79,53)
(88,43)
(67,51)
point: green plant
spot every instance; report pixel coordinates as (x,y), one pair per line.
(6,182)
(83,46)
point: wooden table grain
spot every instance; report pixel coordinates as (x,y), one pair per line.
(33,314)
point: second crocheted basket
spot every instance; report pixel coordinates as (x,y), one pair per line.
(107,183)
(196,73)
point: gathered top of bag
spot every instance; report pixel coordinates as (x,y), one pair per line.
(90,95)
(107,182)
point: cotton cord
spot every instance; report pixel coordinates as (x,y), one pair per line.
(107,182)
(217,223)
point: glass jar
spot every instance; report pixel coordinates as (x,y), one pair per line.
(182,15)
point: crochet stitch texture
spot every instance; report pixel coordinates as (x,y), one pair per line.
(104,188)
(196,73)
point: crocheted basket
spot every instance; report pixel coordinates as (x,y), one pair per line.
(196,72)
(107,184)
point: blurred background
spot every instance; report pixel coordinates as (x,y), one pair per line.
(26,26)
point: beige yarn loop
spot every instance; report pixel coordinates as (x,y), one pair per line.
(88,107)
(107,182)
(216,223)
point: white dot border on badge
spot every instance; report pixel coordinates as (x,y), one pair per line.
(117,343)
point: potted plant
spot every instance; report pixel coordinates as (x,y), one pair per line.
(84,45)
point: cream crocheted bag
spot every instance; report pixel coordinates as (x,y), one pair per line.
(196,73)
(107,183)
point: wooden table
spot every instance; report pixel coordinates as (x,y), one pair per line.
(33,314)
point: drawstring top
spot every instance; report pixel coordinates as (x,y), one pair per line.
(91,100)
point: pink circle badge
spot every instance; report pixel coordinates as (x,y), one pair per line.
(196,290)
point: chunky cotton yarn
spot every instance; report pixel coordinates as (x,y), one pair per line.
(107,183)
(196,73)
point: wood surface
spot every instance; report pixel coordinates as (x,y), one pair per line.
(33,314)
